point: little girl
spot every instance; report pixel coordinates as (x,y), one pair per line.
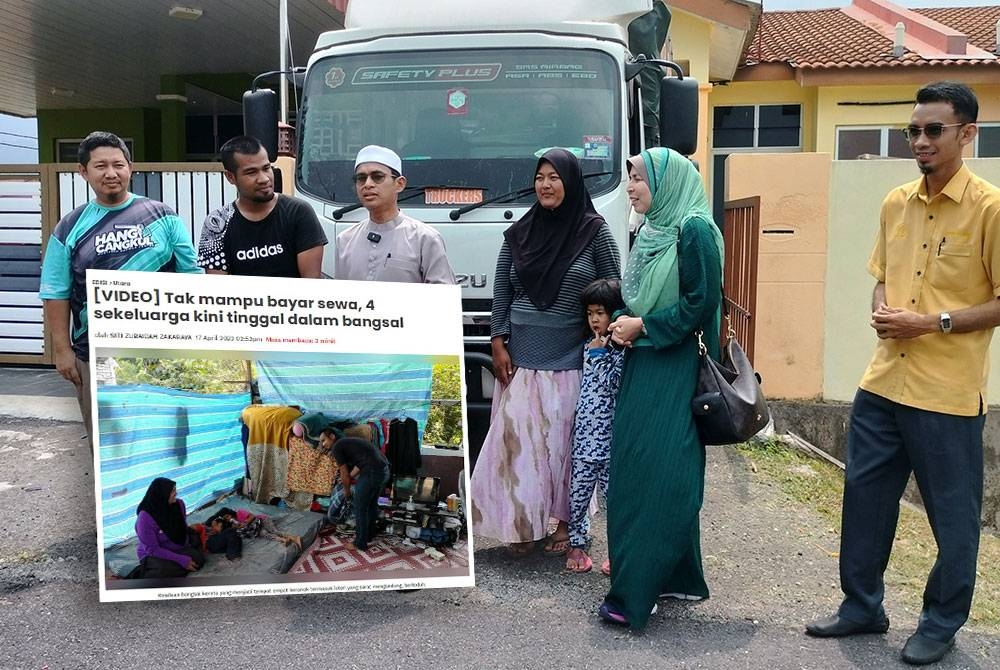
(595,412)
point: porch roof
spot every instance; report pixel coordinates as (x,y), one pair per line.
(70,54)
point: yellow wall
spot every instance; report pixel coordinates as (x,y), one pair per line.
(771,93)
(823,109)
(832,113)
(689,37)
(791,272)
(689,40)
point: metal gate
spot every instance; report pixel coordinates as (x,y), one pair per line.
(22,333)
(32,200)
(741,233)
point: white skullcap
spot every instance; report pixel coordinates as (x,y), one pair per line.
(376,154)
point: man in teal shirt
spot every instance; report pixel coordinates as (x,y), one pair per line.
(117,230)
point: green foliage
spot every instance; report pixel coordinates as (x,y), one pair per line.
(444,421)
(199,376)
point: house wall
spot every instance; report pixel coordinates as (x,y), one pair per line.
(689,40)
(772,93)
(61,124)
(158,132)
(825,108)
(791,274)
(882,105)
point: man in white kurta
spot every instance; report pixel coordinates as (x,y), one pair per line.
(388,245)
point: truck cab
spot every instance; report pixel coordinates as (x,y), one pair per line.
(470,95)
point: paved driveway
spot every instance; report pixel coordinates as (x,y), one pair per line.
(770,564)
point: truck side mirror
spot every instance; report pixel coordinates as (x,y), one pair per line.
(260,119)
(679,114)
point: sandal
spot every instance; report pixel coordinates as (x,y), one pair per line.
(606,567)
(556,546)
(612,614)
(578,561)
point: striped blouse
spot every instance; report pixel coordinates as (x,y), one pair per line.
(549,339)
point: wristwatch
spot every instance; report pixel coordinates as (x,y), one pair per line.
(945,322)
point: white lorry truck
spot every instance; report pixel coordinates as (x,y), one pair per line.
(470,94)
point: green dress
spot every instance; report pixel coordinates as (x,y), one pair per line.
(657,476)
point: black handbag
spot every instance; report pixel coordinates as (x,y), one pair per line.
(728,405)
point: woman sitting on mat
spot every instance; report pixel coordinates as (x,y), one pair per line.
(166,548)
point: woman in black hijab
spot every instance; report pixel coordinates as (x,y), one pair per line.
(164,548)
(548,257)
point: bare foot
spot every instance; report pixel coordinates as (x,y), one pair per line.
(578,561)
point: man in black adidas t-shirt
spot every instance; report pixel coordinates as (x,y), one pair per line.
(262,233)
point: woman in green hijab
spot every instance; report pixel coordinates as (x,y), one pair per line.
(672,290)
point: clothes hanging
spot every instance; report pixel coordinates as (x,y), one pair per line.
(403,449)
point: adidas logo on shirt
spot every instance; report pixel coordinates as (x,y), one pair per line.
(255,253)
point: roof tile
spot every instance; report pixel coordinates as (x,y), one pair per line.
(830,38)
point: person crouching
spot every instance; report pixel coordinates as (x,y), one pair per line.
(370,476)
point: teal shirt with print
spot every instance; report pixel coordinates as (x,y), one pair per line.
(140,234)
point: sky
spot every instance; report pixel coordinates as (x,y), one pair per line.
(18,140)
(23,132)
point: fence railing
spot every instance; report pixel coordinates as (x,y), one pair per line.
(22,330)
(32,200)
(742,238)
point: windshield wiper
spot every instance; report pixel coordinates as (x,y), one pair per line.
(455,214)
(338,214)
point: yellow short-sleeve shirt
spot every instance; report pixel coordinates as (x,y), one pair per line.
(936,255)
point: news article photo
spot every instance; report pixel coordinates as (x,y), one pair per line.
(278,458)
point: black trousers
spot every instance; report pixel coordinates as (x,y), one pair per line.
(228,542)
(887,441)
(152,567)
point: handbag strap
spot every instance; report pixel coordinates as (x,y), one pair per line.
(730,331)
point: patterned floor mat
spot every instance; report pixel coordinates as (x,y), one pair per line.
(329,554)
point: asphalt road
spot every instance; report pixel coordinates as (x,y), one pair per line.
(770,564)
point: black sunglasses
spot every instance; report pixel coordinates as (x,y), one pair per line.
(931,130)
(376,177)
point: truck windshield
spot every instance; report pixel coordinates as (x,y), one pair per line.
(472,122)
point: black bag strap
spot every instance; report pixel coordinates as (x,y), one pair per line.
(730,331)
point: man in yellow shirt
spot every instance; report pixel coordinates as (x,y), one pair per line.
(921,402)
